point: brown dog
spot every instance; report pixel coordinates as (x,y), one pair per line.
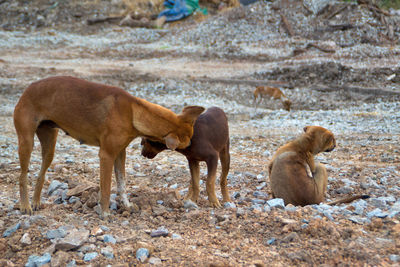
(294,175)
(210,140)
(94,114)
(272,92)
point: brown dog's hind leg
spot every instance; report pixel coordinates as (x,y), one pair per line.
(321,181)
(119,170)
(212,163)
(225,164)
(194,188)
(47,137)
(106,166)
(25,128)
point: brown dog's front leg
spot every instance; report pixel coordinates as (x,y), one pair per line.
(106,165)
(225,164)
(119,170)
(194,188)
(212,163)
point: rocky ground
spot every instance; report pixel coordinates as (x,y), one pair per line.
(337,61)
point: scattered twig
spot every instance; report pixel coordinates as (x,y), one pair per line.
(334,13)
(104,19)
(287,25)
(319,47)
(361,90)
(241,81)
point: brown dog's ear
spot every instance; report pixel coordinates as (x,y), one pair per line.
(189,114)
(171,141)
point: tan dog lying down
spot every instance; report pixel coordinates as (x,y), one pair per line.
(95,114)
(288,173)
(271,92)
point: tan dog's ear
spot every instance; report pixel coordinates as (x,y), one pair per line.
(171,141)
(189,114)
(305,129)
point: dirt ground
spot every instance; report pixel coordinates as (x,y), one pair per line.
(338,63)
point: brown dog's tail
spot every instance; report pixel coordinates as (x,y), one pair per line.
(347,199)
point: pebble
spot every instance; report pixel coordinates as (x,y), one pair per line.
(377,213)
(54,185)
(73,240)
(26,239)
(258,201)
(176,236)
(188,204)
(57,233)
(261,186)
(260,194)
(73,199)
(394,258)
(108,252)
(271,241)
(378,203)
(36,261)
(276,203)
(142,254)
(154,261)
(109,239)
(161,231)
(9,231)
(90,256)
(229,205)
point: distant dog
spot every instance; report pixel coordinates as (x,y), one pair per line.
(210,140)
(271,92)
(294,175)
(95,114)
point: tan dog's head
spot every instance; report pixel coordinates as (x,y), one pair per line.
(181,137)
(287,104)
(323,138)
(150,149)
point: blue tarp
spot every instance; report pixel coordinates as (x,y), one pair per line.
(179,9)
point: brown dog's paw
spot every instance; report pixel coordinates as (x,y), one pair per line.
(26,209)
(215,203)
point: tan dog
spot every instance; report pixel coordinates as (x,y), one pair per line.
(94,114)
(272,92)
(294,175)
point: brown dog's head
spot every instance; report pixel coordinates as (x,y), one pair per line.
(181,137)
(287,104)
(324,139)
(150,149)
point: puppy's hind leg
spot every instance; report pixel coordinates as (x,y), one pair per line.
(47,137)
(194,188)
(25,128)
(225,159)
(212,163)
(321,181)
(119,170)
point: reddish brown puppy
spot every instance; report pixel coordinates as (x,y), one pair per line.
(95,114)
(210,141)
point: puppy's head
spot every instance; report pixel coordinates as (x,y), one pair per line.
(287,104)
(324,139)
(150,149)
(181,137)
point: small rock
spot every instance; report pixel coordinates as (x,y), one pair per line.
(377,213)
(161,231)
(261,186)
(328,215)
(266,153)
(276,203)
(290,208)
(26,240)
(292,237)
(236,195)
(108,252)
(240,212)
(55,185)
(258,201)
(142,254)
(57,233)
(394,258)
(188,204)
(358,220)
(71,263)
(11,229)
(176,236)
(90,256)
(36,261)
(344,190)
(260,194)
(73,199)
(154,261)
(73,240)
(229,205)
(271,241)
(109,239)
(378,203)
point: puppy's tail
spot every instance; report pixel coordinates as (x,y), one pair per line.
(347,199)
